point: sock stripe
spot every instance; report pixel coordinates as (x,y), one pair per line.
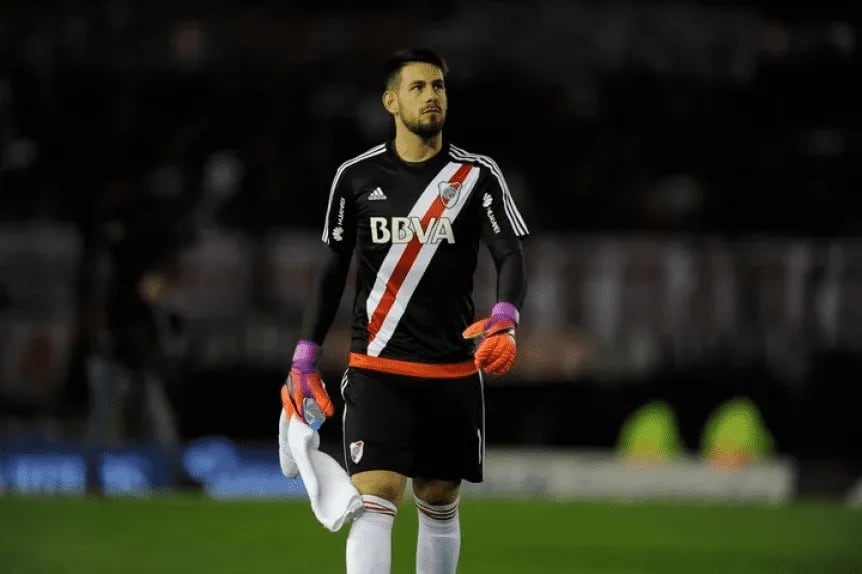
(378,505)
(371,507)
(443,512)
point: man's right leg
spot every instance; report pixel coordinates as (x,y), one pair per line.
(379,448)
(369,544)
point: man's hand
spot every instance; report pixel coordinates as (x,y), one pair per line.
(304,393)
(496,350)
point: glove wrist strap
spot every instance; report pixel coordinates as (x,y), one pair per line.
(305,354)
(507,310)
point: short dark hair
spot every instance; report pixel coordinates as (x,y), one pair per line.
(393,65)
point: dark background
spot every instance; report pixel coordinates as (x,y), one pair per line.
(688,171)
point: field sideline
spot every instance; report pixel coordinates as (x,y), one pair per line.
(176,534)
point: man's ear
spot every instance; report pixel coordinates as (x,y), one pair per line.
(390,101)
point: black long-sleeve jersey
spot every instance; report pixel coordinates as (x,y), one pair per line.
(415,229)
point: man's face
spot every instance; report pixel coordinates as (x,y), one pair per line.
(420,99)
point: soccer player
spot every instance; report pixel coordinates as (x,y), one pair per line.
(414,210)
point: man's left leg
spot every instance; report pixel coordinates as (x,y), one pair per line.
(439,542)
(447,453)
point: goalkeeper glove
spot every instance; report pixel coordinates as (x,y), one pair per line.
(495,352)
(303,392)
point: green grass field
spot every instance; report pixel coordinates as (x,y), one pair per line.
(182,534)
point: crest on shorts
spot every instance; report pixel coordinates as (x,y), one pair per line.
(356,449)
(449,192)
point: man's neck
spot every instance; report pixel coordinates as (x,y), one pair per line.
(414,149)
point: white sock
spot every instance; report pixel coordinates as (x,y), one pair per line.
(369,543)
(439,541)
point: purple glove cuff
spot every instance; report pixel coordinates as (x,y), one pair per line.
(305,356)
(507,310)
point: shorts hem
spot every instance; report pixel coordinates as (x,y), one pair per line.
(414,473)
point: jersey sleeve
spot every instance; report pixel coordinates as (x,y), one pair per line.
(501,221)
(339,227)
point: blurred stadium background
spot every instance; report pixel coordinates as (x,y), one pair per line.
(692,337)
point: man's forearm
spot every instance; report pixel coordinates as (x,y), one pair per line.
(325,298)
(512,276)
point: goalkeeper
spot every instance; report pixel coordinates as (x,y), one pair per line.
(414,212)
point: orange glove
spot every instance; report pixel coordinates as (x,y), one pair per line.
(304,393)
(496,350)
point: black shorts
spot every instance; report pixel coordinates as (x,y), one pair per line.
(417,427)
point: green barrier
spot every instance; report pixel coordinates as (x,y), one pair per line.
(736,435)
(650,434)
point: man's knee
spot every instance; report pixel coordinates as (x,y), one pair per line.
(382,483)
(436,491)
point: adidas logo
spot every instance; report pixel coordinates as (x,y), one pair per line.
(487,200)
(377,194)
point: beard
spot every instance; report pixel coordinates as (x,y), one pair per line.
(424,126)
